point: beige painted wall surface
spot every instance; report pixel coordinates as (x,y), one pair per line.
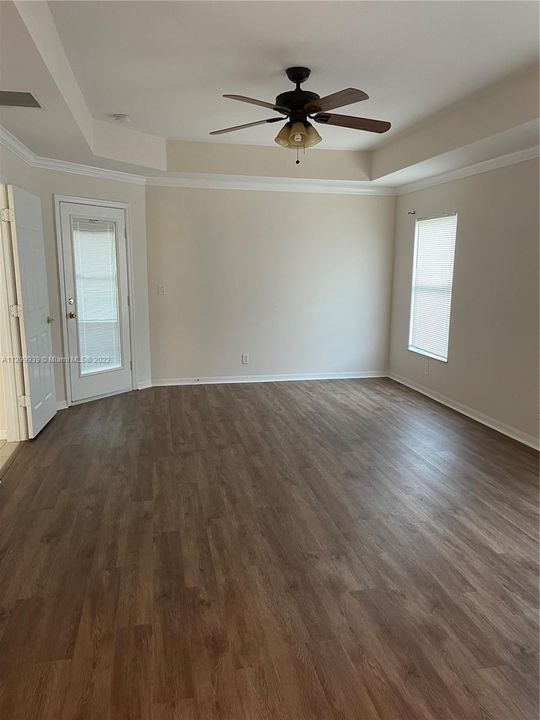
(262,161)
(299,281)
(46,184)
(493,351)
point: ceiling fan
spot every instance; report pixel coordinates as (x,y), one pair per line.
(298,105)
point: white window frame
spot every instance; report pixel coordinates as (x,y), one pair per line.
(410,346)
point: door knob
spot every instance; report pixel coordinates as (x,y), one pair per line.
(50,319)
(72,315)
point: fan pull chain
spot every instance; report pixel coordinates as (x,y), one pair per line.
(297,160)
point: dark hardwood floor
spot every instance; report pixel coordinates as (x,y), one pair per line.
(298,551)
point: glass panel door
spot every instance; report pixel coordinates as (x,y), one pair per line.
(96,299)
(96,294)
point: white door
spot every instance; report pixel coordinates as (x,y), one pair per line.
(33,300)
(96,308)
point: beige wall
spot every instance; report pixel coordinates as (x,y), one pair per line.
(493,351)
(47,183)
(299,281)
(227,159)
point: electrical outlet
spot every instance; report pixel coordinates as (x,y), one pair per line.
(245,359)
(426,369)
(161,289)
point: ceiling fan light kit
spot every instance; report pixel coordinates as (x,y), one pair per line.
(282,138)
(297,136)
(313,137)
(299,106)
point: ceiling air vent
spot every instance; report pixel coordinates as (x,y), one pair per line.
(11,98)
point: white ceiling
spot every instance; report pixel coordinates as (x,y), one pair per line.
(48,130)
(51,132)
(166,64)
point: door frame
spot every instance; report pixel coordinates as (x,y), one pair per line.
(10,337)
(58,199)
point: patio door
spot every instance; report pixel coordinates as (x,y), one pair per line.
(95,276)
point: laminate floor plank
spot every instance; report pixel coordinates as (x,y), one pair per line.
(322,550)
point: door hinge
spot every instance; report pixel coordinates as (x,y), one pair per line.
(131,364)
(7,215)
(128,301)
(15,311)
(24,400)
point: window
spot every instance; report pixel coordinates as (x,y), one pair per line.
(96,283)
(431,296)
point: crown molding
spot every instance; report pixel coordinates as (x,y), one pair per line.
(216,181)
(476,169)
(11,143)
(211,181)
(89,170)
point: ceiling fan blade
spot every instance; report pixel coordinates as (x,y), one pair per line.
(336,100)
(251,124)
(261,103)
(356,123)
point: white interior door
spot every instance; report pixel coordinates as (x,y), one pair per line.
(97,303)
(33,308)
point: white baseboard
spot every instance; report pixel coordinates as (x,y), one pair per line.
(143,385)
(61,405)
(230,379)
(525,438)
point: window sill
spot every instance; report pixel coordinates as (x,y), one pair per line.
(427,354)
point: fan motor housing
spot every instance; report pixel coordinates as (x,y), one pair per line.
(296,100)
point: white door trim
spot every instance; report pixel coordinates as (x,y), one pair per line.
(16,428)
(58,199)
(33,310)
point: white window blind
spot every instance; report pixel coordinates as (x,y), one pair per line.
(96,284)
(434,245)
